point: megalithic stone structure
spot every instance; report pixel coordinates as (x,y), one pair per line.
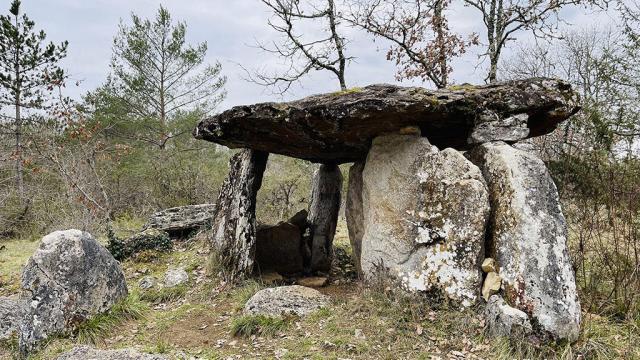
(417,208)
(323,216)
(234,220)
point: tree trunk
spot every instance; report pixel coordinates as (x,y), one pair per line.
(323,216)
(18,155)
(234,221)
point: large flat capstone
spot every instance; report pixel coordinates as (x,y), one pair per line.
(339,127)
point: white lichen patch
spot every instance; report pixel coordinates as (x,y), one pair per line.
(441,269)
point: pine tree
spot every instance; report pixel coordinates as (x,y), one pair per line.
(28,72)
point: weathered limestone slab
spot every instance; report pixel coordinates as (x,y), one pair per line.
(182,218)
(425,213)
(339,127)
(529,239)
(323,215)
(69,278)
(355,213)
(234,220)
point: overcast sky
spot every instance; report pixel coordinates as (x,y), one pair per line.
(231,28)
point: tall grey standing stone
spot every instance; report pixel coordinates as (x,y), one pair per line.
(234,219)
(529,239)
(69,278)
(323,215)
(354,212)
(425,213)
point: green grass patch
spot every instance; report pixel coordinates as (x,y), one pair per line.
(98,327)
(353,90)
(164,294)
(243,293)
(248,325)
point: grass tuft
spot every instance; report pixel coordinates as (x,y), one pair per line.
(248,325)
(164,294)
(98,327)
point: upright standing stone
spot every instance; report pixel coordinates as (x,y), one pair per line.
(529,239)
(323,215)
(425,213)
(69,279)
(234,219)
(354,212)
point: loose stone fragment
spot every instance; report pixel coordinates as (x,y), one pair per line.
(286,300)
(489,265)
(491,285)
(503,320)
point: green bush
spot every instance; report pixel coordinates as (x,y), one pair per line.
(149,239)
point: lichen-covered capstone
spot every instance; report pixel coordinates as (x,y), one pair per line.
(339,127)
(425,213)
(68,279)
(529,239)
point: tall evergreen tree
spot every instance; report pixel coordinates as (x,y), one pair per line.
(28,72)
(156,76)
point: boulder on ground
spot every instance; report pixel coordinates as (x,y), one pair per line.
(87,353)
(425,213)
(529,239)
(503,320)
(10,312)
(285,300)
(181,219)
(149,239)
(68,279)
(279,248)
(175,277)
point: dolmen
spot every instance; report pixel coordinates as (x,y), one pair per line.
(437,189)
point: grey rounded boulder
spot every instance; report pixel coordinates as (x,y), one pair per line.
(9,317)
(87,353)
(68,279)
(286,300)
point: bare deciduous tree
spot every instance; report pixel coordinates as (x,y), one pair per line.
(304,55)
(503,18)
(422,43)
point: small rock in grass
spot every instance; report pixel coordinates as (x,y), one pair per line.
(285,300)
(147,282)
(175,277)
(85,352)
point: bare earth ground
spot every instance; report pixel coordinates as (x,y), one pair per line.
(361,323)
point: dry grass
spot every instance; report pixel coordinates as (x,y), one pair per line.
(360,323)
